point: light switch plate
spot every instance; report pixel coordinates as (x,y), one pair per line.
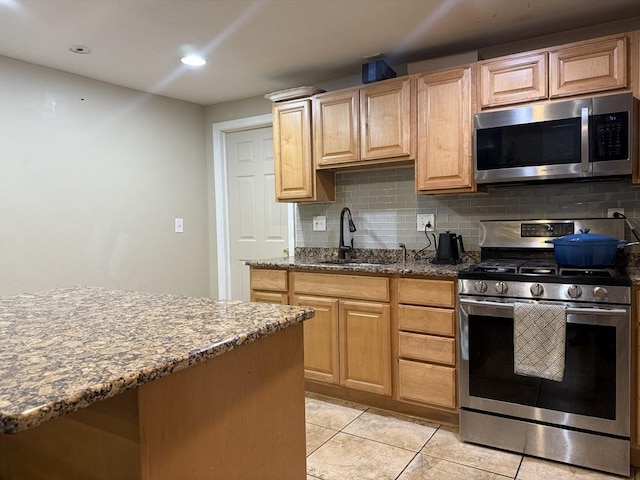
(179,225)
(320,223)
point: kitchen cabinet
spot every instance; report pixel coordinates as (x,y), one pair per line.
(295,177)
(513,79)
(635,85)
(368,124)
(269,286)
(591,66)
(349,341)
(427,342)
(446,104)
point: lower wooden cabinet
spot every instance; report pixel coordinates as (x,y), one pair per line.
(427,342)
(365,353)
(269,286)
(348,343)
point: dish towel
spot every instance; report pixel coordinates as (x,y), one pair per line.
(539,336)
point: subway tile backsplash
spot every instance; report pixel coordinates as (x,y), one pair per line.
(384,208)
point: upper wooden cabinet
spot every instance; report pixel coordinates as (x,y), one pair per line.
(372,123)
(336,128)
(513,79)
(446,104)
(590,66)
(578,68)
(296,179)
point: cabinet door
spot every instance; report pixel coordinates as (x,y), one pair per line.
(335,128)
(321,353)
(292,149)
(513,79)
(365,347)
(445,113)
(590,66)
(386,124)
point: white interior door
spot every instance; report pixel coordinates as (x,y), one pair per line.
(258,225)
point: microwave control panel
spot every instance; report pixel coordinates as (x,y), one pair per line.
(609,137)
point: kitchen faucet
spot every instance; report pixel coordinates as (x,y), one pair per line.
(342,248)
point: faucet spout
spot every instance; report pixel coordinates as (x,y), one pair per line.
(342,248)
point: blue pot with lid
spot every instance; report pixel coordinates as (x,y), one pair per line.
(586,250)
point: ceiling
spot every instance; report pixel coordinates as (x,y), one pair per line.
(258,46)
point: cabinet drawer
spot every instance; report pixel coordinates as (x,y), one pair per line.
(427,348)
(263,279)
(437,293)
(432,384)
(342,286)
(270,297)
(438,321)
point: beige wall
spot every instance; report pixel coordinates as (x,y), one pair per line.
(91,178)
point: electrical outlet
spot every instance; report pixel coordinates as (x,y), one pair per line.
(320,224)
(426,220)
(611,210)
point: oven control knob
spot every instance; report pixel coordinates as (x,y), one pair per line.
(600,293)
(502,287)
(536,289)
(480,287)
(574,291)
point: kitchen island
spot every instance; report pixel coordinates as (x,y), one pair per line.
(98,383)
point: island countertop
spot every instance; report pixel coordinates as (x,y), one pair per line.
(67,348)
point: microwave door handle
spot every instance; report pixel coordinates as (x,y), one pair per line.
(584,138)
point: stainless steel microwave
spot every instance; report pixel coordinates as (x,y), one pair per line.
(583,138)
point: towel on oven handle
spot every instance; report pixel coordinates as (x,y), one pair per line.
(539,337)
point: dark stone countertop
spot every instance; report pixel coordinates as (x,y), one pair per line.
(67,348)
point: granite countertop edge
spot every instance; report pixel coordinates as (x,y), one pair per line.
(414,268)
(287,316)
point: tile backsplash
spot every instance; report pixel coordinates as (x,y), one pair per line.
(384,206)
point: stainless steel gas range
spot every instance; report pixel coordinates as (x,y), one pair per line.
(581,417)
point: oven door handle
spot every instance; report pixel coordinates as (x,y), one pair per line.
(570,310)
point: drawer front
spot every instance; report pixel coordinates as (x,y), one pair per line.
(270,297)
(432,384)
(427,348)
(437,321)
(436,293)
(263,279)
(358,287)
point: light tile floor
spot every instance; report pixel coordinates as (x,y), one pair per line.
(349,441)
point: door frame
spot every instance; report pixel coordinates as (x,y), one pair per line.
(221,187)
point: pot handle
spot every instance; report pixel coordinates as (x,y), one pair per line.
(629,244)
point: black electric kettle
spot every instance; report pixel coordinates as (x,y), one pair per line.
(447,248)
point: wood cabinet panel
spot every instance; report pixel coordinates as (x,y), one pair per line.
(321,352)
(589,66)
(427,348)
(416,291)
(513,79)
(265,279)
(386,128)
(437,321)
(336,128)
(365,347)
(292,150)
(342,286)
(446,104)
(422,382)
(269,297)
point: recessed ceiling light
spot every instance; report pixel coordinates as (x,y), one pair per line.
(193,60)
(81,49)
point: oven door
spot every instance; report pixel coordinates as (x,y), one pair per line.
(594,394)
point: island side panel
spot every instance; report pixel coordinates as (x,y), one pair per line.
(99,442)
(239,415)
